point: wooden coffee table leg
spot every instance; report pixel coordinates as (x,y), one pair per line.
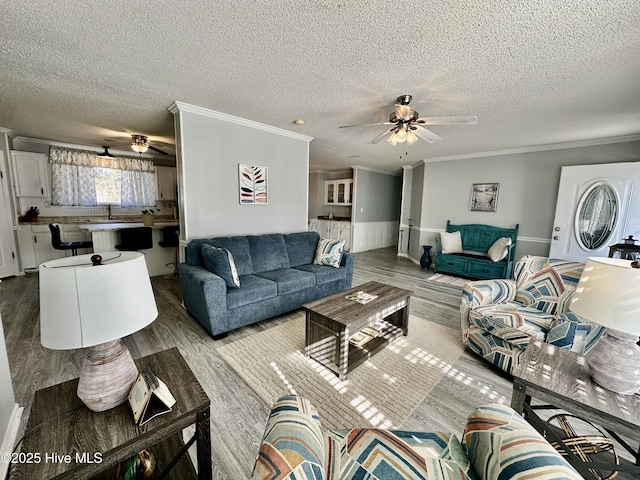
(518,396)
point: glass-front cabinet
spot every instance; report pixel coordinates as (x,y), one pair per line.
(338,192)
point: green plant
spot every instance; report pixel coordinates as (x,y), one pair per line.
(150,211)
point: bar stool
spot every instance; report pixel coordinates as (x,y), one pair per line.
(170,239)
(58,244)
(135,239)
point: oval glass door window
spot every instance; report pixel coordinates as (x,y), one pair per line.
(596,216)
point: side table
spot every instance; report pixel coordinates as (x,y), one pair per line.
(64,439)
(561,378)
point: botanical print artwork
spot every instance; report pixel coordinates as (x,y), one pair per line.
(253,184)
(484,197)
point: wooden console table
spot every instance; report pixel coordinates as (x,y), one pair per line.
(562,379)
(64,439)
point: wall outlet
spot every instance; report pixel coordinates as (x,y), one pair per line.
(361,210)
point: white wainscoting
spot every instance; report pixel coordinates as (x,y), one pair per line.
(371,235)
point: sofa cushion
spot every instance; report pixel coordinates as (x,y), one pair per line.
(542,291)
(220,261)
(323,273)
(289,279)
(512,322)
(499,250)
(239,248)
(392,454)
(252,289)
(451,242)
(572,332)
(268,252)
(329,252)
(301,247)
(501,444)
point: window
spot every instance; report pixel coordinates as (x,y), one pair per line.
(108,185)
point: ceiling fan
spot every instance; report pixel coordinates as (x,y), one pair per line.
(139,144)
(408,126)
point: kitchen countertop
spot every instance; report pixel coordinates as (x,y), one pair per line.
(81,220)
(336,219)
(100,227)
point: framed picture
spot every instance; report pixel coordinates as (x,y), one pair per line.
(252,184)
(484,197)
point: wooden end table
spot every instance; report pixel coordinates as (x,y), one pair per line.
(562,379)
(72,442)
(331,321)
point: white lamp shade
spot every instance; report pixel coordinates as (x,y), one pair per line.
(82,305)
(608,293)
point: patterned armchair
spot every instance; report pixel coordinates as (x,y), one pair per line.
(496,443)
(499,318)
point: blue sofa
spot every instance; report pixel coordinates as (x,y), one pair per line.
(276,275)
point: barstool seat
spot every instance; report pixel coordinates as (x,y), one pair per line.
(135,239)
(58,244)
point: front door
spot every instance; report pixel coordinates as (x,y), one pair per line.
(598,206)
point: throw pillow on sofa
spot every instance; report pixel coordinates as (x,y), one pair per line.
(499,250)
(329,252)
(451,242)
(220,261)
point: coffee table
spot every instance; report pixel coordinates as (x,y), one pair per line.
(332,321)
(561,378)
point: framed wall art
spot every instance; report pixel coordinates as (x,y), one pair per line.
(253,184)
(484,197)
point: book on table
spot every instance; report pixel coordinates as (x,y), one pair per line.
(361,297)
(149,397)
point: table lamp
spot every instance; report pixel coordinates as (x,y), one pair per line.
(608,293)
(93,301)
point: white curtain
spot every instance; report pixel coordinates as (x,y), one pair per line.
(73,178)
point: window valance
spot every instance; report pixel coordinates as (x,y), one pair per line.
(87,158)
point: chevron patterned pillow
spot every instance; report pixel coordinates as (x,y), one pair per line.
(329,252)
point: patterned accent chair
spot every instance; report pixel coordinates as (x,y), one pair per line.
(497,443)
(499,318)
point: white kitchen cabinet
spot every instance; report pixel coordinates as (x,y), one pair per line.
(167,180)
(335,230)
(338,192)
(35,243)
(31,174)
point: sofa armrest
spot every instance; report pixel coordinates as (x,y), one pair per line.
(501,444)
(292,442)
(348,261)
(484,292)
(204,295)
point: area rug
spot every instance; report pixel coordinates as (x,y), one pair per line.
(381,392)
(447,279)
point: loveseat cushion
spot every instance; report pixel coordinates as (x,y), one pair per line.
(366,453)
(289,279)
(501,444)
(268,252)
(301,247)
(220,261)
(323,273)
(252,289)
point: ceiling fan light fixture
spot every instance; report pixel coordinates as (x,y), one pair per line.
(393,139)
(401,134)
(411,137)
(139,143)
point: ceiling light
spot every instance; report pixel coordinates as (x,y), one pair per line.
(139,143)
(105,154)
(411,137)
(299,121)
(402,134)
(393,139)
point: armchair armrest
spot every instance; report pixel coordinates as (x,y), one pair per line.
(501,443)
(484,292)
(292,442)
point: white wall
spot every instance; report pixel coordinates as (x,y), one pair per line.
(528,190)
(210,147)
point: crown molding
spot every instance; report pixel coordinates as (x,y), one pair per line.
(536,148)
(376,170)
(205,112)
(8,132)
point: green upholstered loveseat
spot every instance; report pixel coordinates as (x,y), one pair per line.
(471,261)
(497,443)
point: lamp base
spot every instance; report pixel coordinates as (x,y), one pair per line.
(107,374)
(615,362)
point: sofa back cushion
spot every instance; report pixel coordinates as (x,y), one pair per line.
(301,247)
(238,246)
(268,252)
(220,261)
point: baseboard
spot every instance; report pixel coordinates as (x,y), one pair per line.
(10,435)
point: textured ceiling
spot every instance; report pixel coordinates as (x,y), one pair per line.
(535,72)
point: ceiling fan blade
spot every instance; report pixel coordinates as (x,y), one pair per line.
(459,120)
(403,111)
(151,147)
(425,134)
(380,137)
(367,125)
